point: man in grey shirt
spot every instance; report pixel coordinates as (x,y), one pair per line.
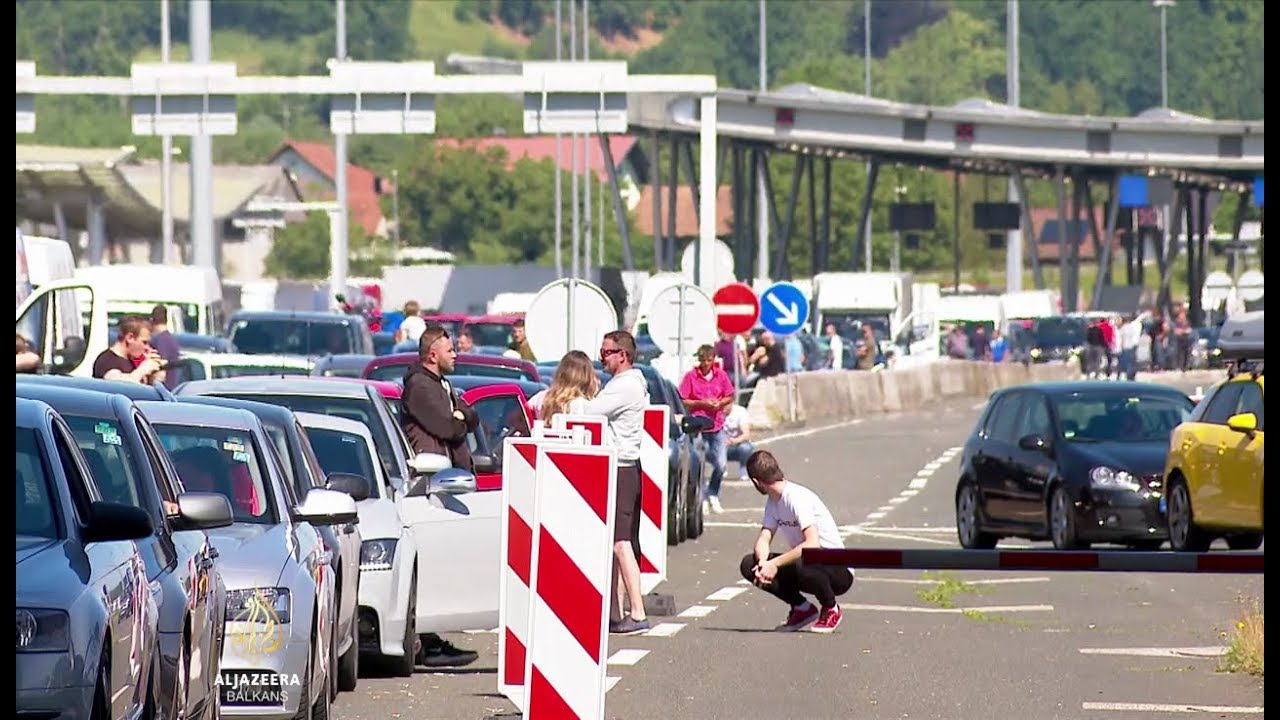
(623,401)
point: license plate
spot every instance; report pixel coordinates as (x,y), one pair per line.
(253,687)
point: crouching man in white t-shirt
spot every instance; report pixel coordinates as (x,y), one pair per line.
(799,515)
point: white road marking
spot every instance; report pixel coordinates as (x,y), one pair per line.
(947,611)
(609,682)
(757,509)
(1205,651)
(933,465)
(697,611)
(918,484)
(995,581)
(806,433)
(924,529)
(885,508)
(727,593)
(629,656)
(494,631)
(875,533)
(898,500)
(875,515)
(924,472)
(1171,708)
(718,523)
(979,406)
(663,630)
(744,582)
(116,698)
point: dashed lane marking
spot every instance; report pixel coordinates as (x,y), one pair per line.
(609,682)
(723,524)
(898,500)
(727,593)
(885,508)
(1172,708)
(918,484)
(663,630)
(1205,651)
(806,433)
(629,656)
(875,533)
(947,611)
(876,515)
(697,611)
(910,492)
(995,581)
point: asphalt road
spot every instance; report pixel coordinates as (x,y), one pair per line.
(1039,645)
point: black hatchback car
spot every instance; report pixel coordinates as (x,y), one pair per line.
(1072,462)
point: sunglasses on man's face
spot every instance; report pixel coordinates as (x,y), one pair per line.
(606,352)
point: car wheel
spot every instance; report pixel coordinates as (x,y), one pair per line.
(403,666)
(682,510)
(673,518)
(102,691)
(349,664)
(1244,541)
(320,710)
(1062,522)
(693,520)
(969,520)
(332,673)
(1184,536)
(1146,545)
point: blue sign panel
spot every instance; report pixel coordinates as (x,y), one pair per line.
(1257,192)
(783,308)
(1133,191)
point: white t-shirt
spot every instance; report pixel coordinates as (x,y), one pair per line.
(837,352)
(798,509)
(623,400)
(736,421)
(577,406)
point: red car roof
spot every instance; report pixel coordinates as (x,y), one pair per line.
(409,358)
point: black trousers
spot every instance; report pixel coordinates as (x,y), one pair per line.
(823,582)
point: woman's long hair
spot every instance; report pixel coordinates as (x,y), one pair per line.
(575,377)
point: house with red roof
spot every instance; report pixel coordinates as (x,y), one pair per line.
(313,166)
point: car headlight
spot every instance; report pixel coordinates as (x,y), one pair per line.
(1035,352)
(258,605)
(377,554)
(1110,478)
(43,630)
(1216,351)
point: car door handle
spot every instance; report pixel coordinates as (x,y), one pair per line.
(349,529)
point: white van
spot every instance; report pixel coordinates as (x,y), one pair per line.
(194,291)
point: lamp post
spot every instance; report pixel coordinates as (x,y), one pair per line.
(1164,6)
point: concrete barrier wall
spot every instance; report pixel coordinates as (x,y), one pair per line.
(835,395)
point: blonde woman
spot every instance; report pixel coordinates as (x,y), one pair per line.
(574,383)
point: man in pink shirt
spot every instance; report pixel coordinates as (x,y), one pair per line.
(708,392)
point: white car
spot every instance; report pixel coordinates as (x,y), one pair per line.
(388,591)
(210,365)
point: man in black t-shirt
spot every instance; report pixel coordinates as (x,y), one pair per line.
(131,358)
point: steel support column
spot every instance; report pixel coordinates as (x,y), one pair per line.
(1029,230)
(873,172)
(781,261)
(1237,223)
(813,217)
(1167,251)
(1197,238)
(672,241)
(691,177)
(1113,217)
(655,183)
(1059,180)
(825,262)
(955,228)
(754,196)
(619,211)
(770,211)
(736,190)
(1074,240)
(95,224)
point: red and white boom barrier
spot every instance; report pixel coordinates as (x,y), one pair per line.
(1043,560)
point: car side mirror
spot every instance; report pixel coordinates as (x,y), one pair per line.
(1246,423)
(428,463)
(327,507)
(453,481)
(1033,442)
(203,511)
(113,522)
(484,463)
(692,425)
(354,485)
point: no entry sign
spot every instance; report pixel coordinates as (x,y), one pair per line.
(737,308)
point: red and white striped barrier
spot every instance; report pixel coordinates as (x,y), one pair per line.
(519,463)
(593,424)
(571,578)
(1073,560)
(655,469)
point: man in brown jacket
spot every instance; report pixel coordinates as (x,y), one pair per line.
(436,420)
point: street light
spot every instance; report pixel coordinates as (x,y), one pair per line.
(1164,6)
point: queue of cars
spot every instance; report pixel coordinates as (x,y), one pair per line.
(1136,464)
(265,536)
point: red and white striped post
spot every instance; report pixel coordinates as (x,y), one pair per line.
(1042,560)
(519,463)
(655,470)
(594,425)
(570,581)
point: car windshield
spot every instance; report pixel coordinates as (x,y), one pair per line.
(224,461)
(230,371)
(453,327)
(1060,331)
(359,409)
(110,458)
(36,508)
(1125,417)
(392,372)
(490,334)
(343,452)
(290,336)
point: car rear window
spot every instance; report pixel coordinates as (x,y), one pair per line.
(289,336)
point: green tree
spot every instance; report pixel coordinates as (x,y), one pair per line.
(301,250)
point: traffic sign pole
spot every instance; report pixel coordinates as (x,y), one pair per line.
(680,351)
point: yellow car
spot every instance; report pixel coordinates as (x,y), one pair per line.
(1214,467)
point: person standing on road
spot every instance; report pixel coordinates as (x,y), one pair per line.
(835,348)
(574,383)
(623,400)
(1130,338)
(131,358)
(707,393)
(737,432)
(803,520)
(1182,341)
(436,420)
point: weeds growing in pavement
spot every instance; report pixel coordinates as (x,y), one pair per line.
(1244,649)
(946,586)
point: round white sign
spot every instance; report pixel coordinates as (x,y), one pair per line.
(717,264)
(1250,285)
(558,321)
(681,318)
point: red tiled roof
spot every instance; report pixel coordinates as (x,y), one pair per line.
(543,147)
(686,218)
(362,201)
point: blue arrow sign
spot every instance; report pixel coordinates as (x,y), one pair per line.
(783,308)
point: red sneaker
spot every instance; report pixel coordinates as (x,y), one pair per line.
(798,619)
(828,621)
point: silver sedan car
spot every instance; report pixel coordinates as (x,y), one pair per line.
(86,620)
(280,604)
